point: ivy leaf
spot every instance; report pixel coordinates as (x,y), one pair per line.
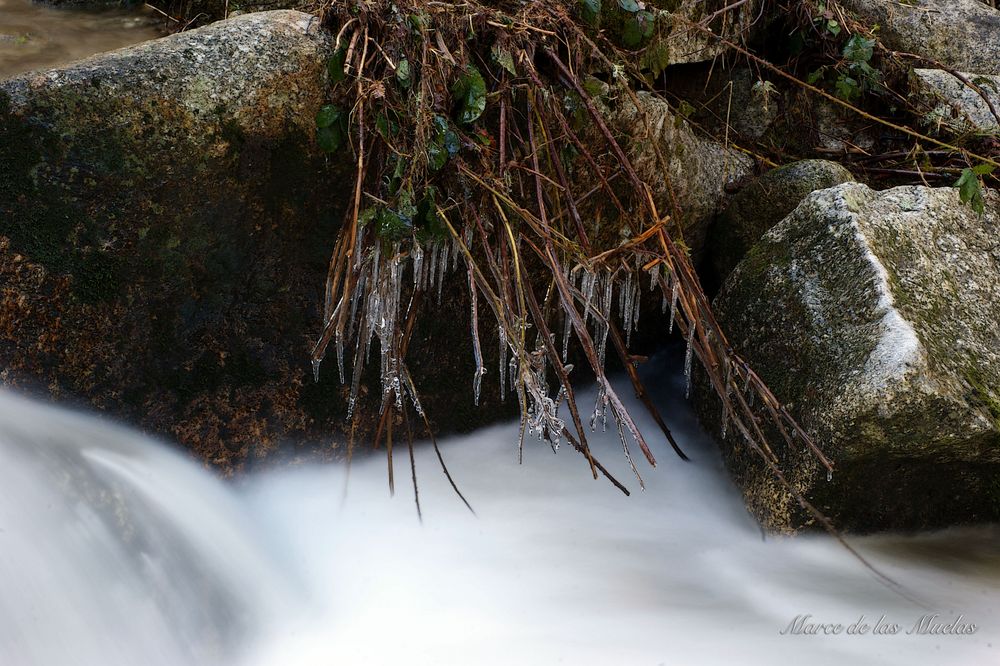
(848,89)
(330,128)
(970,190)
(656,57)
(469,91)
(503,58)
(327,116)
(386,126)
(444,144)
(330,138)
(403,73)
(428,223)
(335,66)
(858,49)
(816,75)
(390,225)
(637,29)
(631,6)
(590,12)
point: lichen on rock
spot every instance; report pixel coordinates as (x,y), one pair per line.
(873,316)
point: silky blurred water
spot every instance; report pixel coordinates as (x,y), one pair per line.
(36,36)
(115,551)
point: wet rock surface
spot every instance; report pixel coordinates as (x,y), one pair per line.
(166,222)
(683,168)
(762,204)
(964,34)
(954,105)
(872,315)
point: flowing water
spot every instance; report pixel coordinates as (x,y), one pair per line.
(36,36)
(116,551)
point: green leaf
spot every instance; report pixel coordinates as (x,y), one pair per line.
(335,66)
(503,58)
(390,225)
(330,138)
(982,169)
(816,75)
(858,49)
(403,73)
(970,190)
(590,12)
(631,6)
(331,128)
(386,126)
(847,88)
(428,223)
(444,144)
(469,92)
(833,27)
(327,116)
(656,57)
(637,29)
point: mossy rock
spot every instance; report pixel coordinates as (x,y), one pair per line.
(872,315)
(762,204)
(681,167)
(961,34)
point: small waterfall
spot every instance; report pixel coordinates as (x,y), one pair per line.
(115,551)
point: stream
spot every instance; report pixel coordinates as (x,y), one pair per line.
(114,550)
(36,36)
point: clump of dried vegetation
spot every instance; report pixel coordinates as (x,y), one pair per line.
(481,141)
(483,144)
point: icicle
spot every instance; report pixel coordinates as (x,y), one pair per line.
(654,273)
(339,344)
(418,264)
(829,475)
(587,284)
(477,352)
(635,308)
(688,355)
(316,363)
(628,294)
(432,269)
(605,307)
(567,327)
(502,334)
(442,267)
(673,306)
(355,379)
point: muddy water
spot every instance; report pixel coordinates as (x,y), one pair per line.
(36,36)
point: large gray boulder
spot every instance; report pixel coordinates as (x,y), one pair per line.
(150,198)
(873,316)
(166,223)
(963,34)
(697,173)
(950,104)
(762,204)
